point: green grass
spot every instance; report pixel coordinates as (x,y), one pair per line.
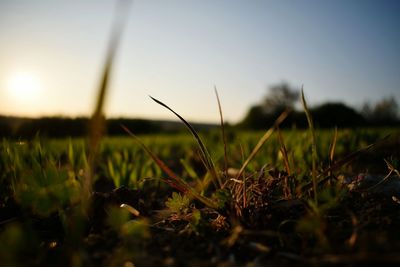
(243,193)
(122,154)
(45,178)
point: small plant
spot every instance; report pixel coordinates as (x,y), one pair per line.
(178,203)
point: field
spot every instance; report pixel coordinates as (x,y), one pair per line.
(175,200)
(286,196)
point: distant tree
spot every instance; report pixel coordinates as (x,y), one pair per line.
(366,111)
(384,112)
(256,118)
(386,109)
(280,97)
(336,114)
(5,127)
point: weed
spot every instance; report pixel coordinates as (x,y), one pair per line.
(178,203)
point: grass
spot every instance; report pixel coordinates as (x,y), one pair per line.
(313,146)
(279,197)
(42,180)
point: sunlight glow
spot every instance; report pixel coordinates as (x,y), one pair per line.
(23,87)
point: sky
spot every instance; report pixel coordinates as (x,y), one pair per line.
(52,54)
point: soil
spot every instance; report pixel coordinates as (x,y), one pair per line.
(362,229)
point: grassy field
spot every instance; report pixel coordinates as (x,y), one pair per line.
(166,200)
(230,198)
(277,198)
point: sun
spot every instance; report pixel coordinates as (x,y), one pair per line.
(23,87)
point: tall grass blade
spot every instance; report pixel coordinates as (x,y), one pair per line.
(344,161)
(242,187)
(333,146)
(97,122)
(262,140)
(284,152)
(332,149)
(285,157)
(174,180)
(209,164)
(313,145)
(226,166)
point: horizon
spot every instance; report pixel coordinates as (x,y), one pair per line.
(173,118)
(53,52)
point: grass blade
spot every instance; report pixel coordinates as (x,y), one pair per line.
(262,140)
(284,152)
(97,122)
(349,158)
(241,189)
(204,152)
(333,146)
(174,181)
(285,157)
(332,149)
(223,134)
(346,160)
(313,145)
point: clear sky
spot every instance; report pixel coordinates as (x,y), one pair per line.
(51,55)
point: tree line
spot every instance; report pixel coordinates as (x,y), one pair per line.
(280,97)
(260,116)
(59,127)
(62,127)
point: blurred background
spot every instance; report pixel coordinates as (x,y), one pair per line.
(344,52)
